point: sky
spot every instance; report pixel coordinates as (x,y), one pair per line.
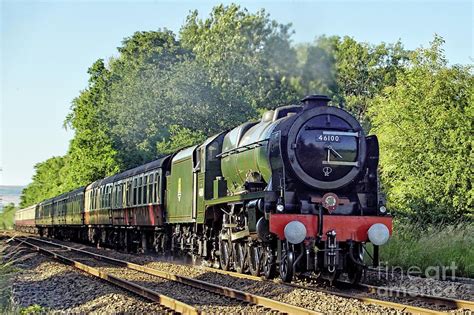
(46,48)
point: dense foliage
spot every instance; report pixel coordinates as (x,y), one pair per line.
(424,125)
(7,217)
(163,92)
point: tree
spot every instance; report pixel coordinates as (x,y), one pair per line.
(91,154)
(46,182)
(179,138)
(247,57)
(316,70)
(424,124)
(137,107)
(350,72)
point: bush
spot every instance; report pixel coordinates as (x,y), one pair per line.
(7,217)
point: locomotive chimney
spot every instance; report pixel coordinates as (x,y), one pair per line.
(312,101)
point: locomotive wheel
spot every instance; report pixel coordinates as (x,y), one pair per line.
(239,257)
(269,266)
(333,276)
(354,273)
(254,255)
(224,257)
(286,264)
(355,269)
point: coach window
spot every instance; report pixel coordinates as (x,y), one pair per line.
(140,185)
(156,187)
(150,188)
(160,187)
(98,204)
(105,195)
(118,200)
(108,196)
(91,195)
(135,190)
(101,197)
(145,189)
(124,192)
(129,192)
(113,195)
(118,192)
(95,198)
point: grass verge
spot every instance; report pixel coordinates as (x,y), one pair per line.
(417,248)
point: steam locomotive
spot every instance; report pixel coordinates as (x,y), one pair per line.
(294,193)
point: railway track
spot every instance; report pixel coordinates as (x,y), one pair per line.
(368,294)
(189,302)
(432,304)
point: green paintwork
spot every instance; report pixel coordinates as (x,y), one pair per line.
(220,188)
(250,164)
(236,198)
(190,183)
(180,190)
(200,197)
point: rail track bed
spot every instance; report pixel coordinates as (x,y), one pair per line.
(184,295)
(40,284)
(306,294)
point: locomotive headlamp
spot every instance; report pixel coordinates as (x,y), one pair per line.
(280,207)
(295,232)
(383,210)
(378,234)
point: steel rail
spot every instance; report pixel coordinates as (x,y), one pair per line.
(434,300)
(154,296)
(405,273)
(210,287)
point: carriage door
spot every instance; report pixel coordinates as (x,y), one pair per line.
(198,184)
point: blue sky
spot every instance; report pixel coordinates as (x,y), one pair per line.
(47,46)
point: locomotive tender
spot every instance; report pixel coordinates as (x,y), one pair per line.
(296,191)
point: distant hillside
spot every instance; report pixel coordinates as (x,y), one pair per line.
(9,194)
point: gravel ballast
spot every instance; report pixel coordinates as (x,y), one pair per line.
(305,298)
(60,288)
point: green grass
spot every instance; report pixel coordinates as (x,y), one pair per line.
(414,245)
(7,217)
